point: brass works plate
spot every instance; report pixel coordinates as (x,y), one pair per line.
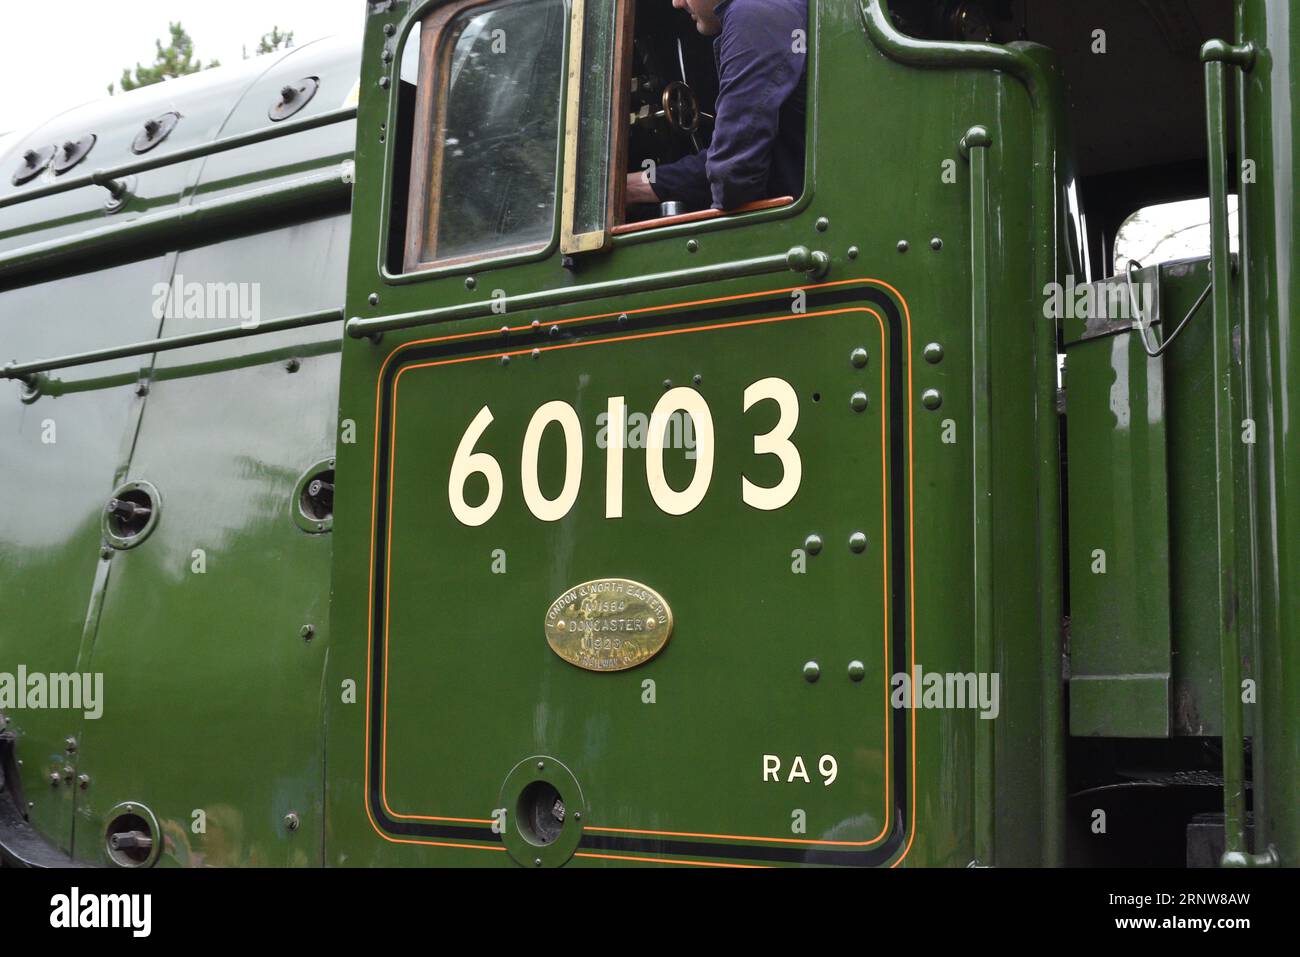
(609,624)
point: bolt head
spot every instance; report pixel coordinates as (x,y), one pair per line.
(857,670)
(308,632)
(859,358)
(933,353)
(858,402)
(936,244)
(291,821)
(692,245)
(373,299)
(541,765)
(857,543)
(813,544)
(811,671)
(931,399)
(903,246)
(70,744)
(822,224)
(83,781)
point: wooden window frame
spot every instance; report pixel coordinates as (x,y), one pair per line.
(424,194)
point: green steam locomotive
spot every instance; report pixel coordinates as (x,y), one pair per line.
(925,518)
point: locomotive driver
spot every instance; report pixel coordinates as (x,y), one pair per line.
(757,150)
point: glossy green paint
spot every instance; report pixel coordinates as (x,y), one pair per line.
(215,701)
(473,688)
(211,709)
(1119,520)
(1269,109)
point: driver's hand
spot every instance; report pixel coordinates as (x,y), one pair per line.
(639,189)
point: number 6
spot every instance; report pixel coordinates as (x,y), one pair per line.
(467,463)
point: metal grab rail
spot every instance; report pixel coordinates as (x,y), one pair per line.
(975,147)
(27,371)
(111,178)
(1215,54)
(813,263)
(167,228)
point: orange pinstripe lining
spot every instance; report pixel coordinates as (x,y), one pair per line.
(459,336)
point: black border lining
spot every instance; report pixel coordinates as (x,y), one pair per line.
(817,299)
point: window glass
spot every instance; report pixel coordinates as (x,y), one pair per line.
(1168,232)
(495,75)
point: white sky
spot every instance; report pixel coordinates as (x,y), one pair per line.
(55,55)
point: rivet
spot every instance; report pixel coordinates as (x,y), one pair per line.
(389,29)
(307,632)
(822,224)
(383,82)
(857,543)
(813,544)
(537,353)
(293,365)
(505,360)
(933,353)
(697,378)
(537,862)
(857,670)
(71,744)
(541,765)
(936,244)
(374,299)
(692,245)
(668,384)
(811,672)
(387,55)
(505,330)
(470,282)
(931,399)
(858,357)
(106,553)
(577,815)
(83,781)
(902,246)
(536,323)
(291,821)
(622,318)
(853,252)
(55,779)
(858,401)
(555,330)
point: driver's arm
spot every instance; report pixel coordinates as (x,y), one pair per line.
(758,70)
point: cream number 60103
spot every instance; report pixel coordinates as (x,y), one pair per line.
(777,442)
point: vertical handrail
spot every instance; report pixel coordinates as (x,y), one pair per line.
(975,147)
(1216,54)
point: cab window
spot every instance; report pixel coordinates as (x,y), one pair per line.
(486,135)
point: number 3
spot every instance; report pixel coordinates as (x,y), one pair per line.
(777,442)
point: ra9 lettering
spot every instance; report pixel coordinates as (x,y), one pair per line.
(675,402)
(827,767)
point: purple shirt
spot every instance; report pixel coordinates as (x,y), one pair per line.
(757,150)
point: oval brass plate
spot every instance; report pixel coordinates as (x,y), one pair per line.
(609,624)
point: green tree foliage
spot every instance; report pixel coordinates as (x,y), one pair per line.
(270,42)
(175,59)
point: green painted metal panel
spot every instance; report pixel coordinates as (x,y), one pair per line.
(201,621)
(59,462)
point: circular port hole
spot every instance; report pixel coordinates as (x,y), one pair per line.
(129,839)
(129,513)
(541,813)
(316,501)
